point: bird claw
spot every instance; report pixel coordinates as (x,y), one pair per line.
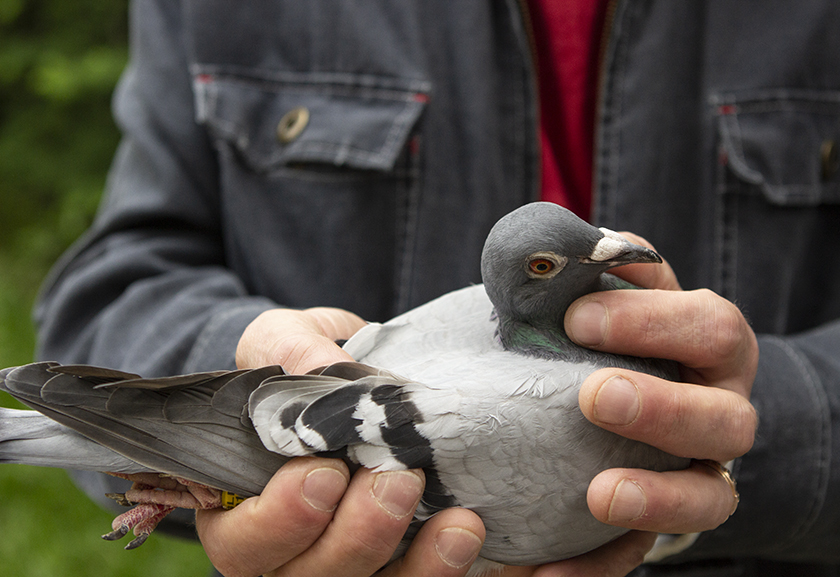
(117,533)
(137,541)
(142,519)
(153,497)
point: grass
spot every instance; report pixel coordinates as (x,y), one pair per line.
(48,527)
(59,62)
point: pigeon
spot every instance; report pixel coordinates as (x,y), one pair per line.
(478,387)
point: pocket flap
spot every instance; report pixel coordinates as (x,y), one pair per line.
(339,121)
(784,142)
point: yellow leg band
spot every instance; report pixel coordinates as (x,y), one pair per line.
(231,500)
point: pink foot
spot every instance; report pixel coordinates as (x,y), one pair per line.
(142,519)
(154,497)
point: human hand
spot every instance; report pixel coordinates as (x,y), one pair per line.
(310,521)
(299,340)
(674,501)
(707,416)
(313,517)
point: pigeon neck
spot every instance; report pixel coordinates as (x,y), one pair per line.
(543,342)
(546,336)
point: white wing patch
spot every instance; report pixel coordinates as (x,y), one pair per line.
(372,417)
(311,438)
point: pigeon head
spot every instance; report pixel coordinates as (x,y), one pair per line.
(541,257)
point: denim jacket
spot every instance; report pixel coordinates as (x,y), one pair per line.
(355,154)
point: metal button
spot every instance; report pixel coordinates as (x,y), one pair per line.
(830,159)
(292,124)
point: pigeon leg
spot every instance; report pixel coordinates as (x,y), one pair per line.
(153,497)
(170,491)
(208,497)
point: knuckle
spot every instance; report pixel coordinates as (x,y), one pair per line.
(723,334)
(699,422)
(295,351)
(688,508)
(369,546)
(744,424)
(735,424)
(674,419)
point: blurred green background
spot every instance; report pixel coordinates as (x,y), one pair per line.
(59,62)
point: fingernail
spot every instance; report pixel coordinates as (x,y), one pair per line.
(589,323)
(628,502)
(457,547)
(397,492)
(323,488)
(617,402)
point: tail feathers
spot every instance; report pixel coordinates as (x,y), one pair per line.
(30,438)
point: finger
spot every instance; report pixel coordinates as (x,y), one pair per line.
(265,532)
(615,559)
(651,276)
(692,500)
(702,331)
(683,419)
(368,525)
(336,324)
(299,353)
(446,545)
(297,340)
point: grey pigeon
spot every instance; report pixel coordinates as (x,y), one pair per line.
(480,392)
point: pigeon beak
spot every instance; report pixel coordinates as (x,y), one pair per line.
(636,254)
(615,250)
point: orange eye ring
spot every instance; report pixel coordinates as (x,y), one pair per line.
(541,266)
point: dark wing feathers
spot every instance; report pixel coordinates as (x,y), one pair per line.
(174,382)
(183,439)
(26,381)
(331,416)
(229,399)
(344,405)
(97,375)
(202,427)
(348,371)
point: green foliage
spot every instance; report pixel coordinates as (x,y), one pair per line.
(51,530)
(59,62)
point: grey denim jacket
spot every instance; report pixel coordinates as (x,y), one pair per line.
(355,154)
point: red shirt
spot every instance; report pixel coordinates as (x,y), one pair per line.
(567,34)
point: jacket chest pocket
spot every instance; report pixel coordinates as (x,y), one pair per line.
(778,236)
(320,172)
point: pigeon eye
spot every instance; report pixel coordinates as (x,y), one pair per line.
(544,265)
(541,266)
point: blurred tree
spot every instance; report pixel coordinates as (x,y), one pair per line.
(59,62)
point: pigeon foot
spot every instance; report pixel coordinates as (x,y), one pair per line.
(142,519)
(152,497)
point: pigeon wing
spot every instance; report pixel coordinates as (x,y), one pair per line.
(348,406)
(170,427)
